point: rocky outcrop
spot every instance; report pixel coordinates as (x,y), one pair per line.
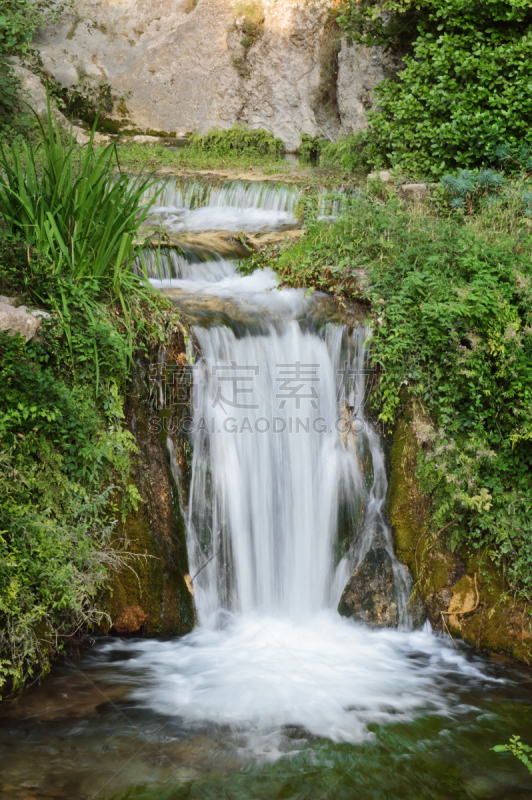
(149,595)
(369,594)
(463,593)
(19,319)
(189,66)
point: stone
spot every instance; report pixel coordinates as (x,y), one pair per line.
(141,139)
(414,191)
(182,69)
(34,94)
(368,596)
(130,620)
(384,175)
(19,320)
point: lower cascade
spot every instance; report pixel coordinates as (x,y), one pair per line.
(287,500)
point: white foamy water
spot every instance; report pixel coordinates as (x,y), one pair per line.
(234,206)
(260,674)
(287,495)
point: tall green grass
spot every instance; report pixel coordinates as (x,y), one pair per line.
(74,206)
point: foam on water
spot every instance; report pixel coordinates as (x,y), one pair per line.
(233,206)
(328,676)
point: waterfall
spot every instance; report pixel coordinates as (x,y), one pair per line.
(287,495)
(270,475)
(232,206)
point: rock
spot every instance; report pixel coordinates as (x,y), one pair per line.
(384,175)
(34,93)
(141,139)
(20,320)
(183,68)
(130,620)
(83,137)
(368,596)
(414,191)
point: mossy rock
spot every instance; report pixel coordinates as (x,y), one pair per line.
(468,583)
(149,594)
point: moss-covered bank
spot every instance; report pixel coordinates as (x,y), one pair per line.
(149,595)
(463,592)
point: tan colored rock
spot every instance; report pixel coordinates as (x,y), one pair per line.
(34,94)
(19,320)
(131,620)
(177,68)
(384,175)
(414,191)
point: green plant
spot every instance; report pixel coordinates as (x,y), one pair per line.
(464,88)
(19,20)
(238,140)
(353,153)
(469,187)
(517,748)
(452,321)
(311,146)
(83,218)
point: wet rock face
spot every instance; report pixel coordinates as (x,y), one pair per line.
(150,596)
(176,66)
(368,596)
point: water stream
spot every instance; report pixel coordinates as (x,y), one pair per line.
(273,691)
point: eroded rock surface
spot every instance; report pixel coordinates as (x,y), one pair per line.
(369,596)
(182,66)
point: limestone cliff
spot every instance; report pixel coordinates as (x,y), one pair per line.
(185,66)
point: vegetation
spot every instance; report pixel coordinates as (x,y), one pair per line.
(66,245)
(451,287)
(243,141)
(464,89)
(83,220)
(19,20)
(518,749)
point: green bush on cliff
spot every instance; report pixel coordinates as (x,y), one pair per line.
(465,86)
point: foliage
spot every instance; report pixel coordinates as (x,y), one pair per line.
(19,20)
(252,12)
(311,146)
(81,216)
(518,749)
(238,140)
(353,153)
(155,156)
(453,326)
(465,86)
(469,187)
(60,449)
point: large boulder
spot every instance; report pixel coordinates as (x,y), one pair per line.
(369,594)
(19,320)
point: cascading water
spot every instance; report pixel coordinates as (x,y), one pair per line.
(232,206)
(276,462)
(287,495)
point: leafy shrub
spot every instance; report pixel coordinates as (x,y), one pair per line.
(465,86)
(61,450)
(469,187)
(353,153)
(238,140)
(311,146)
